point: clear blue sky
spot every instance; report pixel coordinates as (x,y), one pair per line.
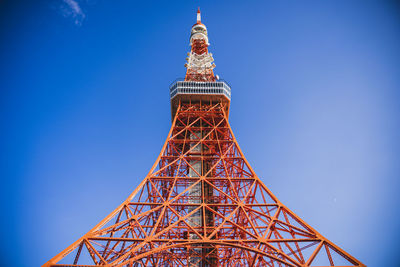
(85,110)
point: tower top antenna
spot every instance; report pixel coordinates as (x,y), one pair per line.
(198,15)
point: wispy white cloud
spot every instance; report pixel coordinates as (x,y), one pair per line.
(72,9)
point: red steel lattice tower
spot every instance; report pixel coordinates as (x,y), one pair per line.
(201,204)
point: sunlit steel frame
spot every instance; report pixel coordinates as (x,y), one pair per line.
(246,224)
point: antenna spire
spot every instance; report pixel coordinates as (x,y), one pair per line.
(198,15)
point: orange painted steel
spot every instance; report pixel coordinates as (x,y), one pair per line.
(202,204)
(243,223)
(199,50)
(199,47)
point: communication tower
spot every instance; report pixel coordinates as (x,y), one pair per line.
(202,204)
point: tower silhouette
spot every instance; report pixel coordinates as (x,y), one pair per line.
(201,204)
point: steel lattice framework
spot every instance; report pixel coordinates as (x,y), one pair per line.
(202,205)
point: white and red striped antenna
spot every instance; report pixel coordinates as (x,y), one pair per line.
(198,15)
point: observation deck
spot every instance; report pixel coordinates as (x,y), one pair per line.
(207,92)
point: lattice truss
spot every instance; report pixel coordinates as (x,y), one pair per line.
(202,205)
(200,63)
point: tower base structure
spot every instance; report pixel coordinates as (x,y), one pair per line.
(202,205)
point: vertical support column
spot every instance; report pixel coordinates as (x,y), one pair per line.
(200,160)
(195,194)
(208,192)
